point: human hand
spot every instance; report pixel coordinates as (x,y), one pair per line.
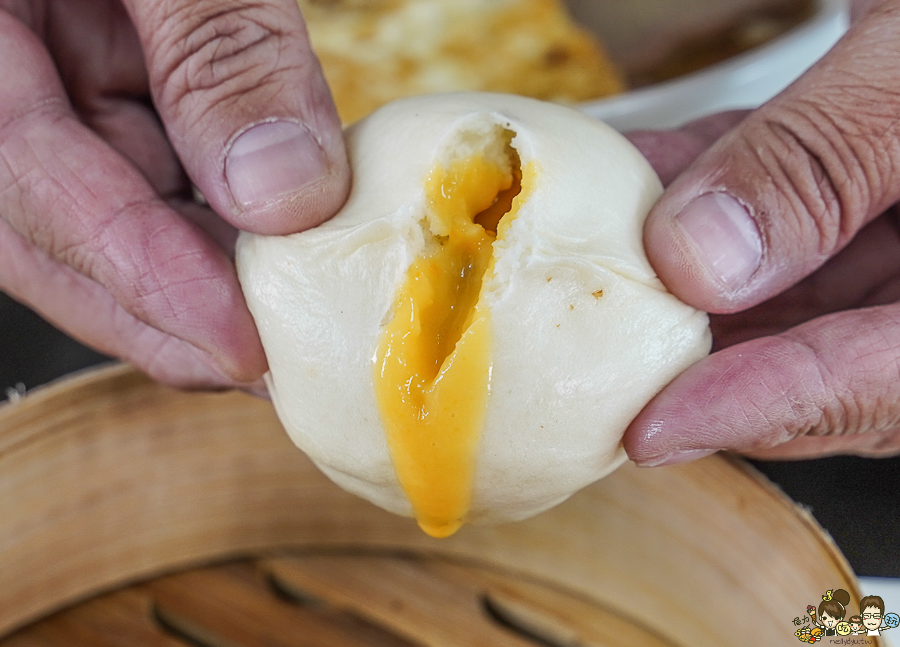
(98,231)
(787,228)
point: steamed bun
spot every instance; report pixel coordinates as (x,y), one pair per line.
(451,367)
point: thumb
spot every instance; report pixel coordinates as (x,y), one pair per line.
(245,105)
(791,185)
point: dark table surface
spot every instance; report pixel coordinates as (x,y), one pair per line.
(856,500)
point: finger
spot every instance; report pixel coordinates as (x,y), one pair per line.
(98,55)
(96,49)
(63,190)
(224,235)
(247,108)
(877,444)
(134,131)
(865,273)
(791,185)
(859,8)
(833,379)
(87,312)
(670,152)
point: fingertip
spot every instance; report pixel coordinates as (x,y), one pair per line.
(230,339)
(284,178)
(247,108)
(683,421)
(703,242)
(675,458)
(184,366)
(273,160)
(653,438)
(706,249)
(748,397)
(244,366)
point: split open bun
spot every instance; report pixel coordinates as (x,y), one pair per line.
(581,334)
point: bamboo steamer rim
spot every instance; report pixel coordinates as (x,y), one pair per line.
(107,478)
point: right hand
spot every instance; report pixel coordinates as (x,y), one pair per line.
(787,228)
(97,229)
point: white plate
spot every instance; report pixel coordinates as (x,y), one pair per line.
(744,81)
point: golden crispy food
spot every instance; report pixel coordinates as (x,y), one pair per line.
(375,51)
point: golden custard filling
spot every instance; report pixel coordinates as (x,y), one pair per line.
(433,363)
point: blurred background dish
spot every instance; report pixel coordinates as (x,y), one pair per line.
(375,51)
(706,58)
(638,64)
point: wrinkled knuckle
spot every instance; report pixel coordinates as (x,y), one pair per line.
(858,377)
(807,390)
(879,361)
(810,184)
(866,119)
(22,174)
(33,198)
(216,53)
(833,156)
(81,256)
(95,250)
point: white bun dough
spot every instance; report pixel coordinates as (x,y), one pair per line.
(584,334)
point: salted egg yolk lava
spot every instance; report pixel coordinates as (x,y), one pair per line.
(433,363)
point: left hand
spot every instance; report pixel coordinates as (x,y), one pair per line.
(98,230)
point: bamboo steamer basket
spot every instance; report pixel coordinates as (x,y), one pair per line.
(134,514)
